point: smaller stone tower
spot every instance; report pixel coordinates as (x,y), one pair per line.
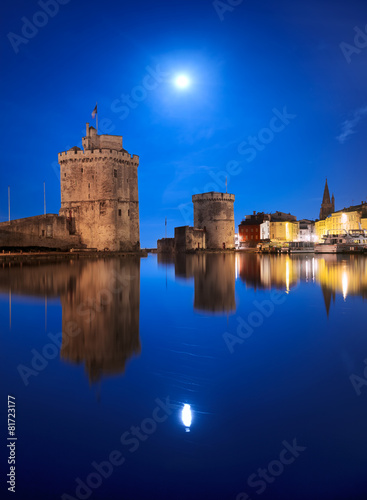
(214,212)
(327,206)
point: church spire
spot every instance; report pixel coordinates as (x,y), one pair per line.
(326,197)
(327,206)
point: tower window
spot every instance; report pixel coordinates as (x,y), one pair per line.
(115,173)
(64,175)
(82,170)
(119,212)
(89,184)
(128,212)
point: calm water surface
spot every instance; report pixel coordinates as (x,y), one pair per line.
(269,352)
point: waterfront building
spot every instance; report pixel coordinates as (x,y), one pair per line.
(282,217)
(253,228)
(281,231)
(283,227)
(306,230)
(348,219)
(249,231)
(265,230)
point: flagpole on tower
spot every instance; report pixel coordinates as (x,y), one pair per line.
(95,115)
(96,118)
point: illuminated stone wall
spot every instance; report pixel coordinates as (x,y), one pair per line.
(214,212)
(99,192)
(43,231)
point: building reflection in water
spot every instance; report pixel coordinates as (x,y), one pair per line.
(336,274)
(99,298)
(214,277)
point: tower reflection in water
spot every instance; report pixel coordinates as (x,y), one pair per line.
(214,279)
(103,300)
(100,299)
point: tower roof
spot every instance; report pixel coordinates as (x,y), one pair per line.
(326,197)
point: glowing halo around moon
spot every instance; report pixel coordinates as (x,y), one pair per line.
(182,81)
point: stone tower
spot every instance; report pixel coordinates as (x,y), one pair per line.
(327,206)
(214,213)
(99,192)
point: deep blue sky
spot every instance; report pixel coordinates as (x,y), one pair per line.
(260,56)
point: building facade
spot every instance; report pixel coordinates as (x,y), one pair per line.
(348,219)
(306,230)
(281,231)
(265,230)
(99,192)
(249,231)
(189,238)
(214,213)
(253,228)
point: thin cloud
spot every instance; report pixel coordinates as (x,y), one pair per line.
(348,127)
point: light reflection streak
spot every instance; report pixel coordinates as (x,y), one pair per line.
(186,417)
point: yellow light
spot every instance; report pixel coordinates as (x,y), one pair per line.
(345,284)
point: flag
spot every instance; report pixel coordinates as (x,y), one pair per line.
(94,112)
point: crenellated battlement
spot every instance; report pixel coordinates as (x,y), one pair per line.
(93,154)
(212,196)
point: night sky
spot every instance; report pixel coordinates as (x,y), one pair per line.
(276,102)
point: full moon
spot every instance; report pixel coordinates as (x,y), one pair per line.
(182,81)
